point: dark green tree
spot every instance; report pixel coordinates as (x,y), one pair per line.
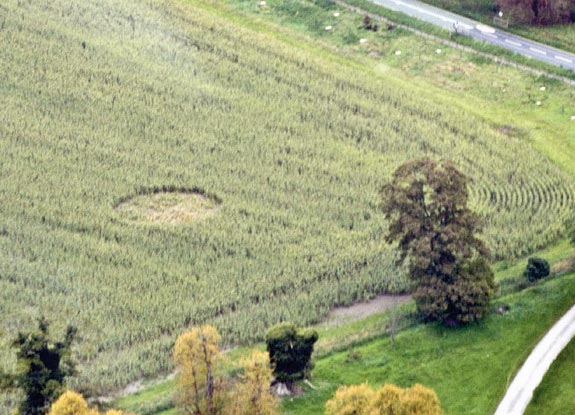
(290,351)
(536,269)
(43,366)
(426,204)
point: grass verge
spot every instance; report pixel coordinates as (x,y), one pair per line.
(554,396)
(470,42)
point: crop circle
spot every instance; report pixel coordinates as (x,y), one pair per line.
(168,206)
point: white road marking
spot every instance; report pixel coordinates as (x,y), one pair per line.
(485,29)
(538,51)
(561,58)
(511,42)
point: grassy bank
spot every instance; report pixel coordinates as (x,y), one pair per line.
(554,396)
(469,368)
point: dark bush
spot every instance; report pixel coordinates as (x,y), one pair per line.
(368,25)
(536,269)
(290,350)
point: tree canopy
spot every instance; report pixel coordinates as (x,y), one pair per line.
(203,388)
(44,366)
(386,400)
(290,349)
(542,12)
(252,395)
(73,403)
(426,204)
(197,357)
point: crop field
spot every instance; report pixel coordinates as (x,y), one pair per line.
(163,165)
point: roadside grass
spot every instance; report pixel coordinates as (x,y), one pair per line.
(554,396)
(559,36)
(477,45)
(354,341)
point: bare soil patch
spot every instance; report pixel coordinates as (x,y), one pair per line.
(357,311)
(564,266)
(168,208)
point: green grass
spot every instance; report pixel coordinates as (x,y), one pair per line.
(154,399)
(509,274)
(469,368)
(294,131)
(554,396)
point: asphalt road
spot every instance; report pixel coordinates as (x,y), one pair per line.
(462,25)
(520,391)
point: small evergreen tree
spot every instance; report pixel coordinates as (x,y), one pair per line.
(290,351)
(44,366)
(536,269)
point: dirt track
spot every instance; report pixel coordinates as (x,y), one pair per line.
(342,315)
